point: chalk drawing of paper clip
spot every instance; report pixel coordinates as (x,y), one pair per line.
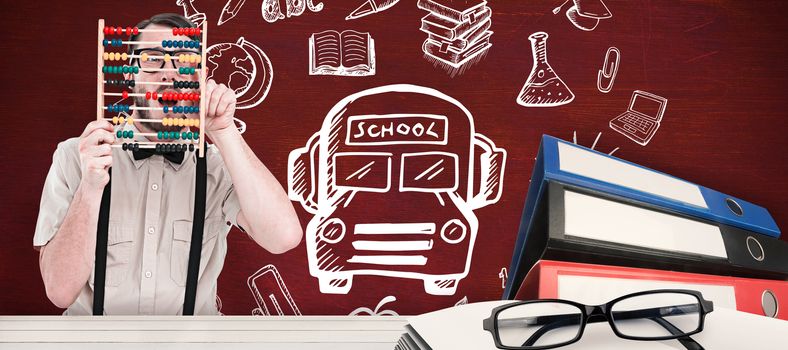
(608,70)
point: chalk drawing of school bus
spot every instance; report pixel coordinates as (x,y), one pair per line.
(402,144)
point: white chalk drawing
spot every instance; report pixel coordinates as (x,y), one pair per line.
(458,37)
(240,124)
(230,10)
(544,88)
(346,53)
(244,68)
(190,12)
(463,301)
(271,294)
(272,10)
(219,305)
(642,119)
(585,14)
(369,7)
(609,70)
(503,275)
(350,165)
(377,312)
(574,140)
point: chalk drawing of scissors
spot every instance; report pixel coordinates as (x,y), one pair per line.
(608,70)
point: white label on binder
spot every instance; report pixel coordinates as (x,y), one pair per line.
(582,162)
(604,220)
(599,290)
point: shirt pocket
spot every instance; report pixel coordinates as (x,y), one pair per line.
(120,241)
(181,243)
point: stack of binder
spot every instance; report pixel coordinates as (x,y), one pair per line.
(458,30)
(588,207)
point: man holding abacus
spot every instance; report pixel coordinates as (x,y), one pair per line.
(150,220)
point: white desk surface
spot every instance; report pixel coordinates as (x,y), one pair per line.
(200,332)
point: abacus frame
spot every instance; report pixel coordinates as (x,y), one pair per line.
(202,79)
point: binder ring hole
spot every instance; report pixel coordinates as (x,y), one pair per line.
(755,249)
(769,304)
(734,207)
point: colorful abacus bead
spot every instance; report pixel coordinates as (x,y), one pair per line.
(112,42)
(191,147)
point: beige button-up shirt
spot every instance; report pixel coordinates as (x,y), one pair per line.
(150,228)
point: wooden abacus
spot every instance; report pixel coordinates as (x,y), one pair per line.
(169,141)
(186,140)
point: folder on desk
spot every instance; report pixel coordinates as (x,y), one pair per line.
(561,161)
(590,283)
(577,224)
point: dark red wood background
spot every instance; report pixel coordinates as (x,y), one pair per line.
(721,64)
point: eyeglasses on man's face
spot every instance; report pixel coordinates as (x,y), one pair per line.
(551,323)
(155,59)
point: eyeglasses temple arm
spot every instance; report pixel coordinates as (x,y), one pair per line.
(549,327)
(687,341)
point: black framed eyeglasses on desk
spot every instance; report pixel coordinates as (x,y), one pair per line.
(551,323)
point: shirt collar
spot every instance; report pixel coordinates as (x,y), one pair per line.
(188,157)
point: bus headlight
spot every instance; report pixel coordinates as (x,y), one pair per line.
(332,231)
(453,231)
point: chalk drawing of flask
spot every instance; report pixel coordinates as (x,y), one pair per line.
(543,88)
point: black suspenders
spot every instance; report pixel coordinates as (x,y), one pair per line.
(195,249)
(102,232)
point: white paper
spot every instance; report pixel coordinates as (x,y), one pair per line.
(583,162)
(460,327)
(599,290)
(604,220)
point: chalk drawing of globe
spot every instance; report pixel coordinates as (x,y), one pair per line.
(244,68)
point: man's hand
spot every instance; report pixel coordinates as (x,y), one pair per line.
(95,154)
(220,107)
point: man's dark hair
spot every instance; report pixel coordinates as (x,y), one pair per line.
(172,20)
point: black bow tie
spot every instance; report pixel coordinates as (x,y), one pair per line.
(144,153)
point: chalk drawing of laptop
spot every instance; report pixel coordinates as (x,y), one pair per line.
(641,120)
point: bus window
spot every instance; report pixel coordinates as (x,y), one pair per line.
(369,171)
(428,172)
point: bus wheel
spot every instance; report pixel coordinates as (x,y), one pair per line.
(441,287)
(335,284)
